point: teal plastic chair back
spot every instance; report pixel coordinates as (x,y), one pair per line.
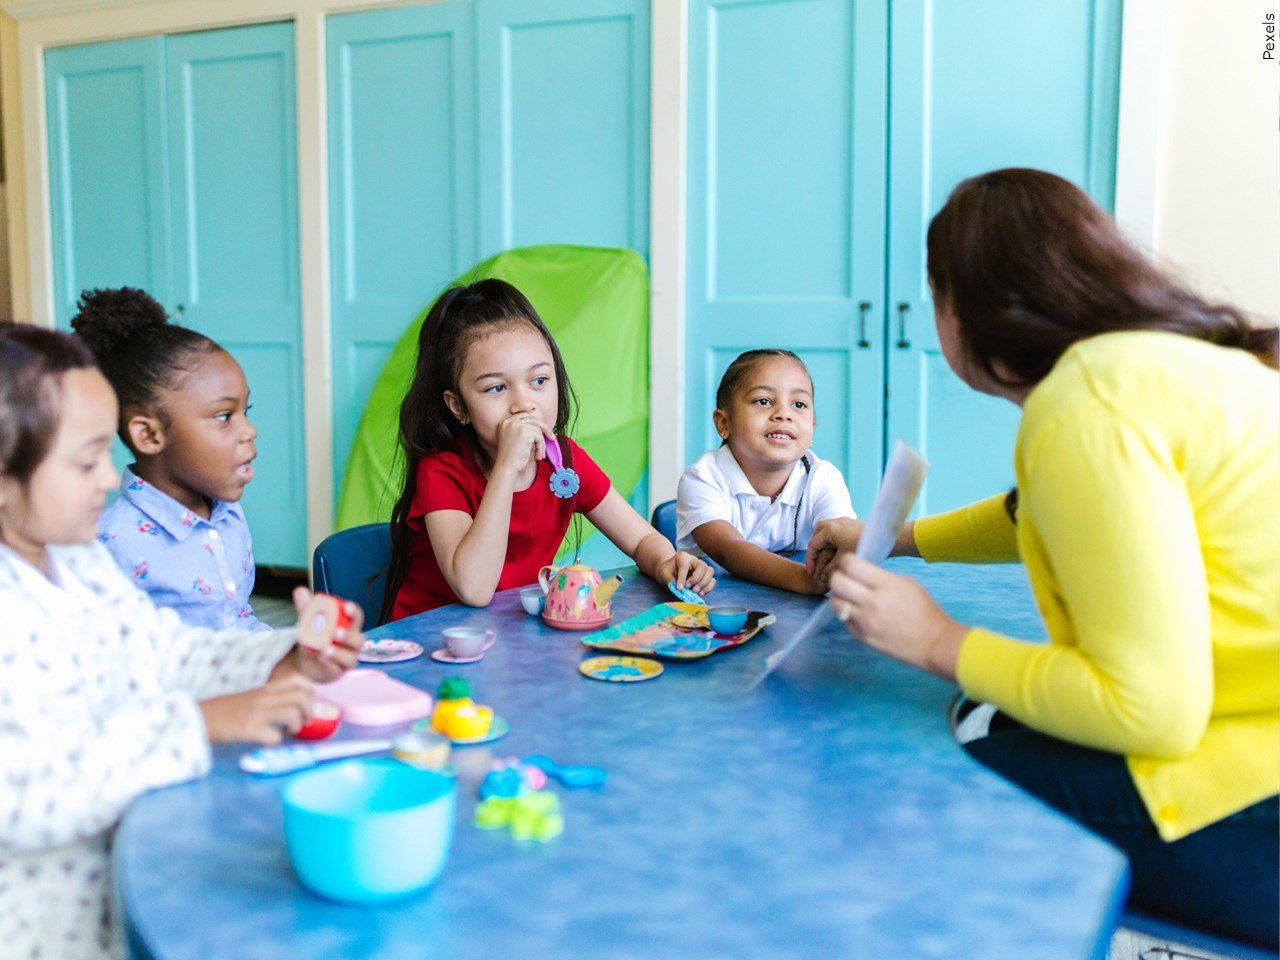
(664,519)
(352,564)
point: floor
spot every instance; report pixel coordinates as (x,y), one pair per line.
(1127,945)
(273,611)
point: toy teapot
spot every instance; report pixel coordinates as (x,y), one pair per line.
(577,597)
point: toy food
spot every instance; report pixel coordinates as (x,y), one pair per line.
(456,715)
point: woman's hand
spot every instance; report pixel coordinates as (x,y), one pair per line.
(522,440)
(895,615)
(829,538)
(327,665)
(685,570)
(260,716)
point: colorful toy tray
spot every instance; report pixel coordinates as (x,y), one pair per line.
(677,631)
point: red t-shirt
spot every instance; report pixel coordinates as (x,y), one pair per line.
(452,480)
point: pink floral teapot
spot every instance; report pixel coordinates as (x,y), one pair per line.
(577,597)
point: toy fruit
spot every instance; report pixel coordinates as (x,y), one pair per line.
(577,597)
(323,722)
(429,751)
(456,715)
(323,617)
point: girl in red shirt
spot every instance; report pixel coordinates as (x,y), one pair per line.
(478,513)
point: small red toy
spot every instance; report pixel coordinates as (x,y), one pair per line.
(324,721)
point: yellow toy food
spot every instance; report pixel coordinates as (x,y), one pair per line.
(456,715)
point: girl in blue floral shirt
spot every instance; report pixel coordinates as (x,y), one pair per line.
(177,528)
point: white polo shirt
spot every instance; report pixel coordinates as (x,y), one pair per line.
(715,488)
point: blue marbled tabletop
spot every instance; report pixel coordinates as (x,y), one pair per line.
(827,813)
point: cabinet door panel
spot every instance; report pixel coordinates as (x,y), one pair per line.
(233,155)
(564,123)
(975,87)
(105,110)
(401,184)
(786,210)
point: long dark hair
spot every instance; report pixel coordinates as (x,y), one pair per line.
(32,361)
(138,350)
(1029,264)
(457,320)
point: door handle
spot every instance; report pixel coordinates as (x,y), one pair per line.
(863,309)
(903,309)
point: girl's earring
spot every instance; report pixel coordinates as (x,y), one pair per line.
(463,420)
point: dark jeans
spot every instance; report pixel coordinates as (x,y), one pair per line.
(1223,878)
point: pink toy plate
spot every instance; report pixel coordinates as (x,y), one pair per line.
(389,651)
(369,698)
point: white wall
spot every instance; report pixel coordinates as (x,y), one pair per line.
(1217,197)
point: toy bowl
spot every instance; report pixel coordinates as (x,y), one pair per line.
(323,722)
(367,831)
(727,621)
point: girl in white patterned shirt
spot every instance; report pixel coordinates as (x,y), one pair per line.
(102,695)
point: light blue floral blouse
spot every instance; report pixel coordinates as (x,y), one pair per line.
(203,569)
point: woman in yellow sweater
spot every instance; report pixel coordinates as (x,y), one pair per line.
(1147,512)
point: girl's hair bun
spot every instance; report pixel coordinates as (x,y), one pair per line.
(106,319)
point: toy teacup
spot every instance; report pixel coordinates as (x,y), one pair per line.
(727,621)
(533,600)
(467,642)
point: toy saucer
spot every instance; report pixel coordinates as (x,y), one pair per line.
(388,651)
(691,621)
(497,730)
(443,655)
(619,669)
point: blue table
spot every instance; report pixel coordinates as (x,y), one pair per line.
(826,814)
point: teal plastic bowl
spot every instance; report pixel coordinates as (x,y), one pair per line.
(365,831)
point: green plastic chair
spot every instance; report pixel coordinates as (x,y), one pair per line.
(595,301)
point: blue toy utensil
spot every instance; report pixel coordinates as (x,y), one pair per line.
(685,594)
(570,776)
(275,761)
(564,481)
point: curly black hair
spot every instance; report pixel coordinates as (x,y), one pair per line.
(138,350)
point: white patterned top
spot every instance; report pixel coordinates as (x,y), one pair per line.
(98,703)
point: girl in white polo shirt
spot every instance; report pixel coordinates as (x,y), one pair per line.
(751,503)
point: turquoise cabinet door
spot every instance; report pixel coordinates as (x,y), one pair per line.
(563,109)
(402,183)
(233,170)
(786,215)
(977,86)
(108,196)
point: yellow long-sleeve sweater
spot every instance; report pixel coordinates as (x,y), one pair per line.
(1148,470)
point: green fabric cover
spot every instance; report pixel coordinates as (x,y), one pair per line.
(595,301)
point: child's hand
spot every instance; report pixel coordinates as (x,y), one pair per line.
(687,571)
(259,716)
(327,665)
(829,538)
(522,439)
